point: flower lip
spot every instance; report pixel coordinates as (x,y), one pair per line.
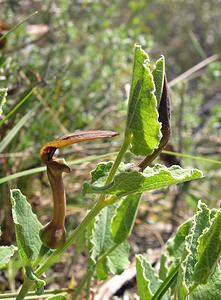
(48,150)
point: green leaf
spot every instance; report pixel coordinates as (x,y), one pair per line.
(208,291)
(3,96)
(108,256)
(158,76)
(209,251)
(163,271)
(200,222)
(123,220)
(175,245)
(142,118)
(27,228)
(117,260)
(101,171)
(147,279)
(130,182)
(140,57)
(145,275)
(6,252)
(102,269)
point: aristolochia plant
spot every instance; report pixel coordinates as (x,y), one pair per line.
(192,254)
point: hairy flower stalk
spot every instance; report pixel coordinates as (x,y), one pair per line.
(53,234)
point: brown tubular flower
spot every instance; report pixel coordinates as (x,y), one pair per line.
(53,234)
(164,118)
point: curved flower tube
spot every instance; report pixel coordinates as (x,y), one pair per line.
(53,234)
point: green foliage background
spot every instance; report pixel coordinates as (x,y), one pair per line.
(81,69)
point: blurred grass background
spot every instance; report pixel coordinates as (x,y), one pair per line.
(78,56)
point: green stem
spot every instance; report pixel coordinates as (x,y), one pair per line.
(25,288)
(82,283)
(118,159)
(166,284)
(87,277)
(43,250)
(32,293)
(88,289)
(195,157)
(108,252)
(123,149)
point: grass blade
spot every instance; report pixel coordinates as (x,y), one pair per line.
(12,133)
(166,284)
(43,169)
(26,97)
(17,25)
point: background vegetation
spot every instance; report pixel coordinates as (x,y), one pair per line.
(77,55)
